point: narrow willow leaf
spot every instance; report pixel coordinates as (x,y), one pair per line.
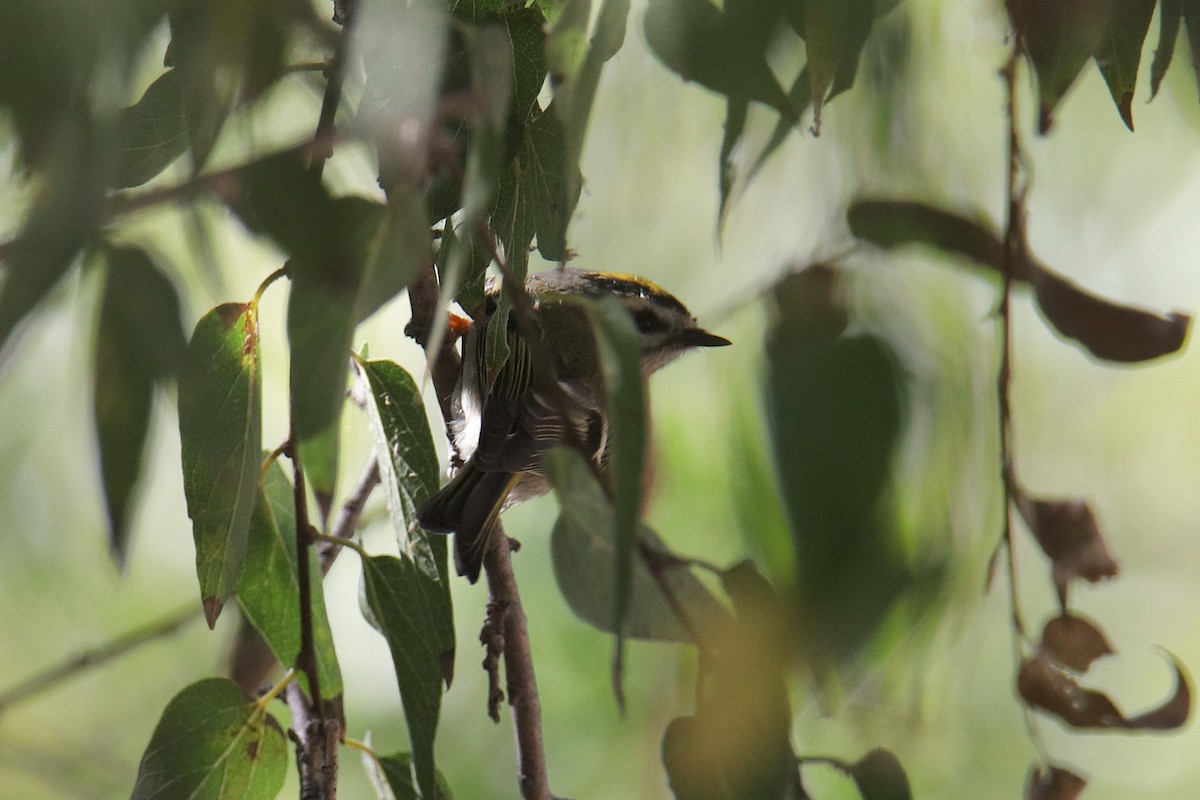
(408,460)
(698,42)
(583,550)
(527,36)
(625,392)
(151,133)
(574,92)
(397,771)
(1120,52)
(139,340)
(1059,38)
(1170,13)
(268,588)
(408,468)
(220,419)
(735,125)
(212,743)
(64,211)
(395,596)
(835,32)
(834,410)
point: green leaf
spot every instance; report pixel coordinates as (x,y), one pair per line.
(1191,23)
(369,254)
(575,90)
(268,588)
(151,133)
(139,340)
(534,195)
(407,458)
(834,408)
(834,32)
(735,125)
(423,622)
(1120,52)
(212,743)
(527,34)
(281,198)
(583,550)
(66,208)
(737,745)
(395,601)
(1059,38)
(700,43)
(220,429)
(1170,13)
(625,391)
(567,42)
(397,771)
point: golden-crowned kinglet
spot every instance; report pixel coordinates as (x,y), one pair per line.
(503,430)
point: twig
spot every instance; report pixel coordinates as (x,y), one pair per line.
(316,747)
(335,78)
(1014,255)
(1012,249)
(492,638)
(502,584)
(346,524)
(518,667)
(97,656)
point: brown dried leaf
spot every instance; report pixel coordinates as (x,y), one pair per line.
(1067,531)
(1054,783)
(1074,642)
(1109,331)
(1044,684)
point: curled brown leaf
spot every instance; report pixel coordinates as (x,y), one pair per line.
(1045,684)
(1074,642)
(1053,783)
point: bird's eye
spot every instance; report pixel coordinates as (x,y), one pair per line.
(647,321)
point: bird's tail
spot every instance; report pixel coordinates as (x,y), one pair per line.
(468,506)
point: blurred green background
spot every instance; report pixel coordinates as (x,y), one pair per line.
(1116,211)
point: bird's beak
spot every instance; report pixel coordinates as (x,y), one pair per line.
(698,337)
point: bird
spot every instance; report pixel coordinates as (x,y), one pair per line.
(501,426)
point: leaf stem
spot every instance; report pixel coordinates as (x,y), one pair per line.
(262,287)
(341,542)
(275,690)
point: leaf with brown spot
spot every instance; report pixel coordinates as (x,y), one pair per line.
(1053,783)
(1067,531)
(1074,642)
(1120,52)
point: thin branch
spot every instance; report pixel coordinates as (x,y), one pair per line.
(1012,251)
(1014,255)
(335,78)
(97,656)
(346,524)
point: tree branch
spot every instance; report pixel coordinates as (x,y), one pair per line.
(97,656)
(346,524)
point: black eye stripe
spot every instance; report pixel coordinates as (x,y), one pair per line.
(647,321)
